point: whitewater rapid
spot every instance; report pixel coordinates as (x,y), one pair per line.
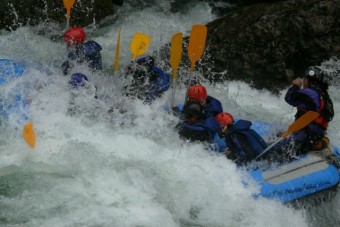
(108,168)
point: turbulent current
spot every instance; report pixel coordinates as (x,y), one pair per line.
(120,162)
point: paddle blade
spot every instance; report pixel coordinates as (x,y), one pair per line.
(197,41)
(29,134)
(301,122)
(68,4)
(115,67)
(139,44)
(176,52)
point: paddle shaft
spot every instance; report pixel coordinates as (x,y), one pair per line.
(189,84)
(116,63)
(67,23)
(175,58)
(268,148)
(68,4)
(299,124)
(173,92)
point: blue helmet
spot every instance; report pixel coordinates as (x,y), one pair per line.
(78,80)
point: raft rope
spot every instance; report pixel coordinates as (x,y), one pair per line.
(328,155)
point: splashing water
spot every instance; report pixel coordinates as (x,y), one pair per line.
(121,163)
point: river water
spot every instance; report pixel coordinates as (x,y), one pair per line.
(130,168)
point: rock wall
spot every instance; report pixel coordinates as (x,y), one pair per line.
(15,13)
(267,44)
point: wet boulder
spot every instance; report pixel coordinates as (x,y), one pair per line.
(15,13)
(267,44)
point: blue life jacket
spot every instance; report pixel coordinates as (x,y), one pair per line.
(92,54)
(157,84)
(89,52)
(203,130)
(162,81)
(244,142)
(213,107)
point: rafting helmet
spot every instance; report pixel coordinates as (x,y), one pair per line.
(198,92)
(75,34)
(78,80)
(315,73)
(140,74)
(224,119)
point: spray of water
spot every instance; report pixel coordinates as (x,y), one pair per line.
(119,162)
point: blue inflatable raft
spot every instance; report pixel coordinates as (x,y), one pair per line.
(10,70)
(308,175)
(314,172)
(14,103)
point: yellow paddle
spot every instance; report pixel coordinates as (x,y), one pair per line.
(196,47)
(175,58)
(139,44)
(197,41)
(29,134)
(68,4)
(116,64)
(300,123)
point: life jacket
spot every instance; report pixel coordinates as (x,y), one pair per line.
(244,142)
(321,120)
(162,81)
(92,54)
(213,107)
(89,52)
(204,130)
(326,111)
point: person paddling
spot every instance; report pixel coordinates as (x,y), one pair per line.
(310,94)
(194,125)
(80,52)
(237,139)
(148,82)
(211,106)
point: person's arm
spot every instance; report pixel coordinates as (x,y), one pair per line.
(292,95)
(196,132)
(301,98)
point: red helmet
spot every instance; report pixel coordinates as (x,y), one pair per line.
(75,34)
(198,92)
(224,119)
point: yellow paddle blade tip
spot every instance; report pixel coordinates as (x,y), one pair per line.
(29,134)
(68,4)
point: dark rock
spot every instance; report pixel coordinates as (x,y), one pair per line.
(267,44)
(15,13)
(118,2)
(217,6)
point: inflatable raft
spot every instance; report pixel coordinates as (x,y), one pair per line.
(13,104)
(306,176)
